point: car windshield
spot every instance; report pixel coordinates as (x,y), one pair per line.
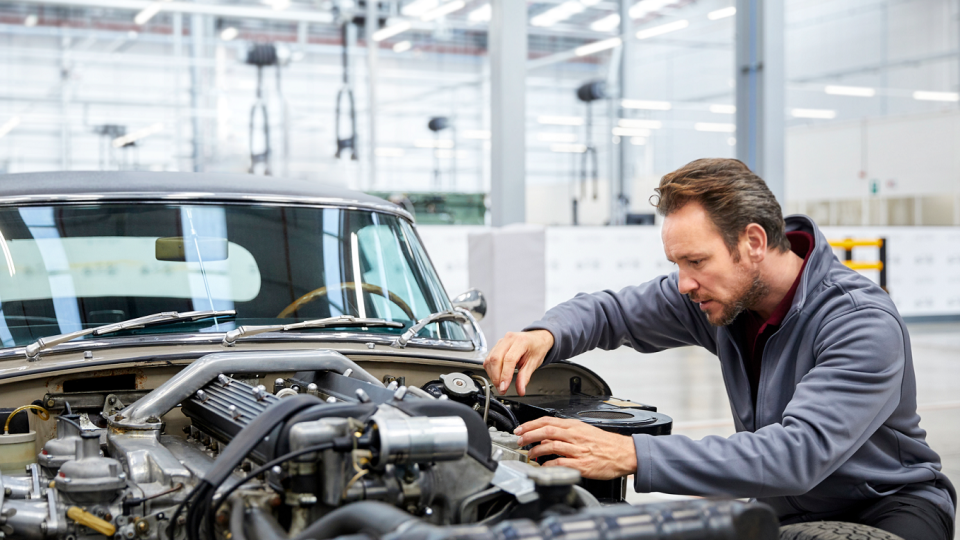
(70,267)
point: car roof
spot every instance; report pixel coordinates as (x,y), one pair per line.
(98,185)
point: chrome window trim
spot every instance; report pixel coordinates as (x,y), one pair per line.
(205,198)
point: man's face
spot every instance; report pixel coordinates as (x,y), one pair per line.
(708,273)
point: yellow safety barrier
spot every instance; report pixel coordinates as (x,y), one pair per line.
(862,265)
(847,245)
(851,243)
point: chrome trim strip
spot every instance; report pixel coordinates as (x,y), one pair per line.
(162,197)
(217,338)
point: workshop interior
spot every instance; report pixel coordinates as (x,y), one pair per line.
(256,252)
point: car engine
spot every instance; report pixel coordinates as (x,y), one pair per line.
(330,452)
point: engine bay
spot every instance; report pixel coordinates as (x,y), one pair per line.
(310,445)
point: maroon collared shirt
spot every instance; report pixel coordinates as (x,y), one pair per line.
(754,331)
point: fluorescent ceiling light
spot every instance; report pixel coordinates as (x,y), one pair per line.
(8,126)
(606,24)
(561,120)
(638,141)
(936,96)
(722,13)
(445,9)
(857,91)
(229,33)
(403,46)
(147,13)
(723,109)
(568,148)
(433,143)
(31,20)
(630,132)
(645,104)
(645,7)
(390,31)
(557,137)
(637,123)
(562,12)
(663,29)
(710,126)
(389,152)
(597,46)
(481,14)
(419,7)
(130,138)
(824,114)
(481,134)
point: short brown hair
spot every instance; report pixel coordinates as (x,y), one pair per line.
(732,195)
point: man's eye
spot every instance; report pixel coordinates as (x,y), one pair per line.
(696,262)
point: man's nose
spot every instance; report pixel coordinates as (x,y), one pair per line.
(686,284)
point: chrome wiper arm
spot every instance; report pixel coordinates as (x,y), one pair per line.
(231,337)
(34,349)
(457,314)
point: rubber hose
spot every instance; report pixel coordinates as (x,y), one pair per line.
(250,436)
(325,410)
(500,421)
(261,525)
(245,441)
(373,518)
(237,512)
(505,411)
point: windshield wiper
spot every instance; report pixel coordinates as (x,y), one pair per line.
(457,314)
(34,349)
(230,338)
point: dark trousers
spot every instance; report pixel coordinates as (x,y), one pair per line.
(906,516)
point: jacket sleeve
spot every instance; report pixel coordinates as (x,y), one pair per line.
(649,318)
(851,391)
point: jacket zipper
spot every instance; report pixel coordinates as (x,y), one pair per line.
(763,372)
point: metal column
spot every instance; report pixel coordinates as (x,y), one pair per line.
(760,90)
(196,85)
(371,25)
(508,74)
(178,67)
(620,197)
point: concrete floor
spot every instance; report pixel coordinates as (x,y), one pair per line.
(686,384)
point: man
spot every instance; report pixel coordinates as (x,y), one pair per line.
(815,358)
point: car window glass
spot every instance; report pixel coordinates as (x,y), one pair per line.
(77,266)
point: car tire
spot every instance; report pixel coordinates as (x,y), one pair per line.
(833,530)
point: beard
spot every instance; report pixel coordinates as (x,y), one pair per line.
(750,291)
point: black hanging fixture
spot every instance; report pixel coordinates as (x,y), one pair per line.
(261,55)
(588,93)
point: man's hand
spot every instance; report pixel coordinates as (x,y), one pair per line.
(523,350)
(597,454)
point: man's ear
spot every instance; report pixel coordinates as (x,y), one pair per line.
(754,241)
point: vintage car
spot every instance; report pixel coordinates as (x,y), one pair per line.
(201,356)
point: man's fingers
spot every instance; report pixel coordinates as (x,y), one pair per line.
(562,462)
(543,421)
(494,361)
(523,376)
(555,433)
(510,361)
(552,447)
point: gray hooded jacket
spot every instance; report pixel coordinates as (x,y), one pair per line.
(836,418)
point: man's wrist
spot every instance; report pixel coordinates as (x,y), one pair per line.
(546,339)
(629,453)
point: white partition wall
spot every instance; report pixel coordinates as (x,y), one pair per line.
(923,263)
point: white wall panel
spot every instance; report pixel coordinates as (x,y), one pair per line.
(923,271)
(910,155)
